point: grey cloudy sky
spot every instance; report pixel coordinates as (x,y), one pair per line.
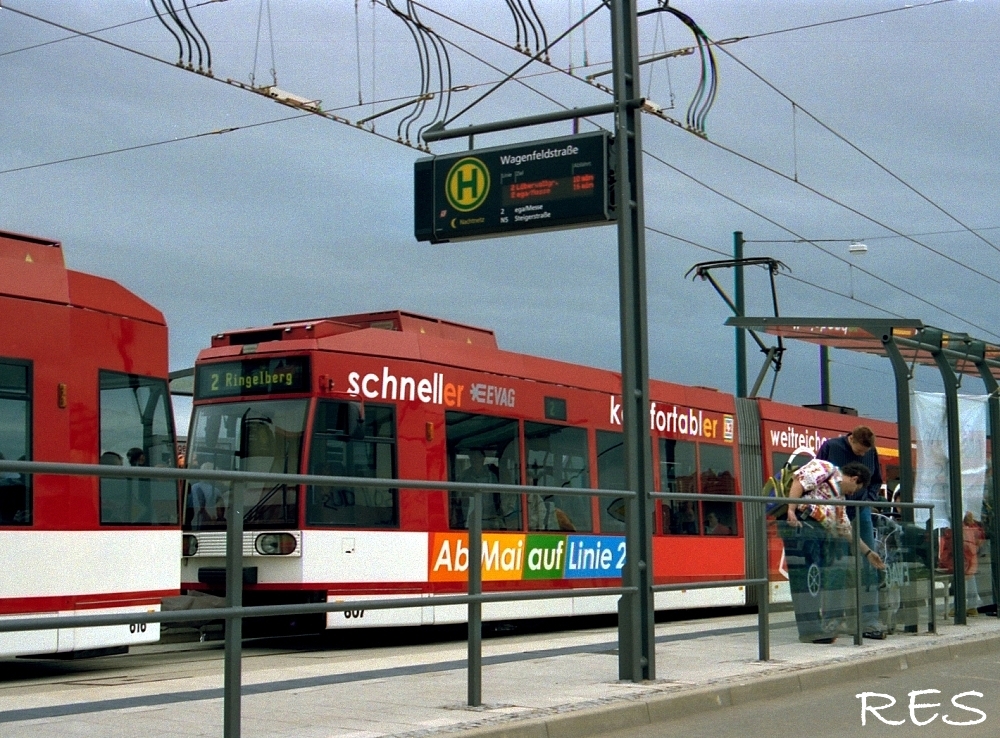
(309,217)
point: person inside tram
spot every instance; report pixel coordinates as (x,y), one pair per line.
(479,470)
(687,519)
(714,528)
(112,458)
(206,501)
(136,456)
(500,511)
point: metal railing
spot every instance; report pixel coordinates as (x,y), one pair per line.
(234,612)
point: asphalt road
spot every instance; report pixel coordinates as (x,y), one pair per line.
(836,711)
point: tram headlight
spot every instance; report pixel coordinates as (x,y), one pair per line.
(189,545)
(275,544)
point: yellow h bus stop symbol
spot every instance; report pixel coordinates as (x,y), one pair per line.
(467,184)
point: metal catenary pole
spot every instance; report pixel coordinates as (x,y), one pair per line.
(740,299)
(636,659)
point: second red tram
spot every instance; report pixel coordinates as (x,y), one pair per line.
(83,370)
(398,395)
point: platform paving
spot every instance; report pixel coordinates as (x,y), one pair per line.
(552,686)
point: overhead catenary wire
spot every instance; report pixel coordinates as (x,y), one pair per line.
(859,150)
(867,272)
(99,30)
(185,138)
(704,96)
(803,27)
(178,139)
(403,125)
(231,82)
(855,211)
(514,74)
(839,203)
(256,48)
(154,58)
(180,45)
(208,49)
(826,251)
(190,41)
(432,55)
(520,80)
(786,275)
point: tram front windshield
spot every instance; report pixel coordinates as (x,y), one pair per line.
(259,436)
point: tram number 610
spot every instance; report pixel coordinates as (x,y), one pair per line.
(137,628)
(354,613)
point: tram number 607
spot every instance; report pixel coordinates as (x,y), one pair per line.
(137,628)
(354,613)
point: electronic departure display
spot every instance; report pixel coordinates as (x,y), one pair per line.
(252,377)
(540,185)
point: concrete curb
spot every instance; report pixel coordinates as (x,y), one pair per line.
(626,713)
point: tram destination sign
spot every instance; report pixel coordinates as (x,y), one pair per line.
(535,186)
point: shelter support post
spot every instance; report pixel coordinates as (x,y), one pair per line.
(950,381)
(909,617)
(905,439)
(993,493)
(763,590)
(856,558)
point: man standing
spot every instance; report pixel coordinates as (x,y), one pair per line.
(858,446)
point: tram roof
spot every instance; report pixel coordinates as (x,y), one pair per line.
(399,321)
(33,268)
(917,342)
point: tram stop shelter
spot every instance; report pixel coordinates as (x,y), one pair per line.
(908,343)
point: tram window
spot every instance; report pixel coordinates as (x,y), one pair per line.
(136,430)
(717,469)
(678,473)
(483,448)
(259,436)
(557,457)
(15,441)
(611,475)
(353,440)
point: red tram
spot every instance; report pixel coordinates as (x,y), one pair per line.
(397,395)
(83,368)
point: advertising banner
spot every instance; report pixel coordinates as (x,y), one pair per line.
(931,436)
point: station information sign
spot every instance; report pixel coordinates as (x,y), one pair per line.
(539,185)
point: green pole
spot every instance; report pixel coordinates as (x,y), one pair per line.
(741,334)
(636,660)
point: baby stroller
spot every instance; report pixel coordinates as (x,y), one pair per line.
(889,546)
